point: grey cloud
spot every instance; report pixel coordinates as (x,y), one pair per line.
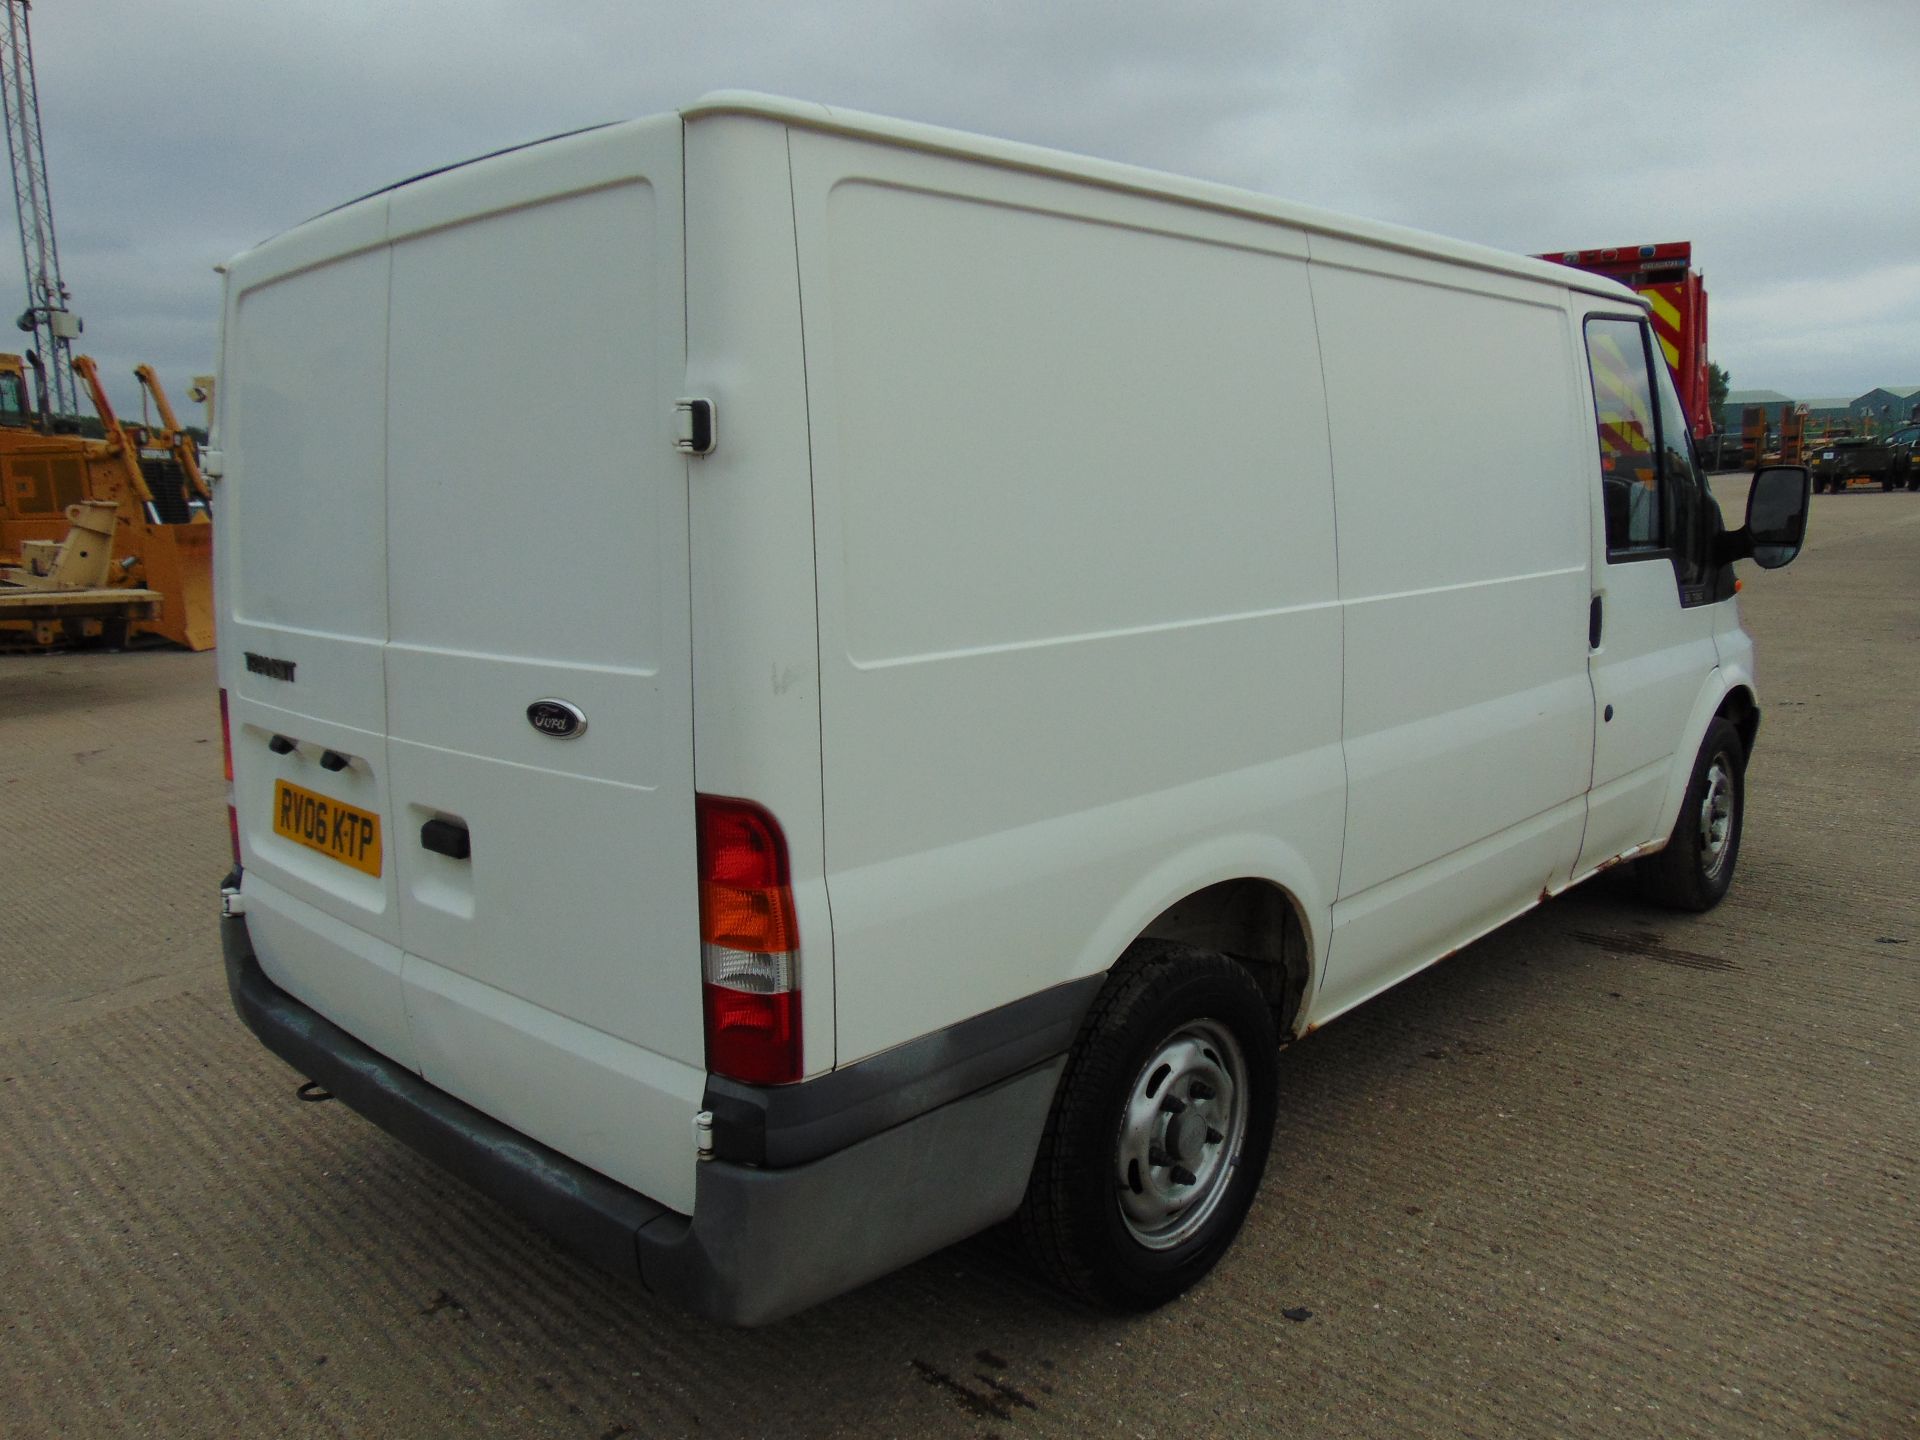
(1775,136)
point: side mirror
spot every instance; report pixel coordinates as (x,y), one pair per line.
(1777,509)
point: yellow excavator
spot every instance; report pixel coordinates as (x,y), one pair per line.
(52,480)
(85,525)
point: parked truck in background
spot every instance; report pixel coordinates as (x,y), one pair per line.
(1843,462)
(1677,293)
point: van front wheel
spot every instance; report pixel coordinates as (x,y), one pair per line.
(1159,1132)
(1696,868)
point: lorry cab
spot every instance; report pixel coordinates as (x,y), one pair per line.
(942,675)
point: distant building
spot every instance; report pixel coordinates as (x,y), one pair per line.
(1834,410)
(1887,407)
(1738,400)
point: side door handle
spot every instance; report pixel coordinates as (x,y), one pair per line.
(1594,619)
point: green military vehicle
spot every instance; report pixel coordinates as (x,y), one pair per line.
(1847,462)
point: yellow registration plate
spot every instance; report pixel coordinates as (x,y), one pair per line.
(338,831)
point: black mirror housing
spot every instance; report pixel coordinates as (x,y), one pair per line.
(1777,509)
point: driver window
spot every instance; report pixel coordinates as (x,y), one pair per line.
(1623,409)
(1688,499)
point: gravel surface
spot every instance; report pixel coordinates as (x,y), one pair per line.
(1609,1172)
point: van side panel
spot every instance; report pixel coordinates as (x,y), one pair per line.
(1077,592)
(1463,536)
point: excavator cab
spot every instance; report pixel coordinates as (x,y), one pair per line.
(16,408)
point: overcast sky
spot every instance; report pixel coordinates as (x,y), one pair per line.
(1782,138)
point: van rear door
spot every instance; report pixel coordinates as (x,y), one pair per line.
(502,522)
(301,575)
(537,552)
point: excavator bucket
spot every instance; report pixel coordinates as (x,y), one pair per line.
(178,562)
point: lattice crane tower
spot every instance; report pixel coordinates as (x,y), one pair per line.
(47,316)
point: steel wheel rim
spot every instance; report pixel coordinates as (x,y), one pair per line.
(1181,1134)
(1716,815)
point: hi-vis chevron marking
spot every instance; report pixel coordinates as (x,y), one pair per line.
(1623,407)
(1666,321)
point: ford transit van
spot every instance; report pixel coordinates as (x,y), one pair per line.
(800,685)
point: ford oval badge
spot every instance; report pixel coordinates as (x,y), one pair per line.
(557,718)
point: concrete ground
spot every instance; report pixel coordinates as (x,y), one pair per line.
(1610,1172)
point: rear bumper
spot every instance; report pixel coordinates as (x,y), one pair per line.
(762,1242)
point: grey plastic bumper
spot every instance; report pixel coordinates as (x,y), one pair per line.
(761,1243)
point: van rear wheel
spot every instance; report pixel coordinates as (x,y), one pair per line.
(1696,869)
(1159,1132)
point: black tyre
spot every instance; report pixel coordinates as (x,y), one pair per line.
(1696,868)
(1159,1132)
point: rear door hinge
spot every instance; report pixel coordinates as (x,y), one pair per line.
(694,427)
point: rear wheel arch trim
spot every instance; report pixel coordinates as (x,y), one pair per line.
(1180,878)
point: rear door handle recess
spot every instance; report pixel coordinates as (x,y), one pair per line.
(1593,624)
(447,837)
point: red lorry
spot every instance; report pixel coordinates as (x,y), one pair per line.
(1665,275)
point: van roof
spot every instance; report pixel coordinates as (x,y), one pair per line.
(1139,180)
(1110,174)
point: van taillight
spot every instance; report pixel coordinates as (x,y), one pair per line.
(226,760)
(749,944)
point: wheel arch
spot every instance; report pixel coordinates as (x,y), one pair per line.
(1253,900)
(1742,710)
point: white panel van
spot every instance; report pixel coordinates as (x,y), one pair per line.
(800,685)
